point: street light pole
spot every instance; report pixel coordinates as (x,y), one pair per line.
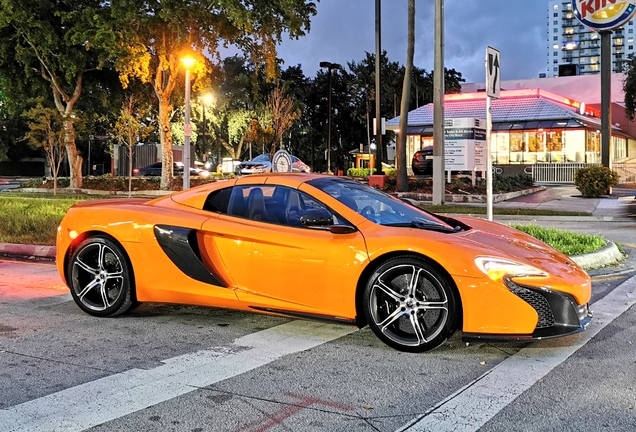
(330,66)
(187,127)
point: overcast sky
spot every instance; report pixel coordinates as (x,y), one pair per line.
(344,29)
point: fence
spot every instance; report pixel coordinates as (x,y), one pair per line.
(626,171)
(554,172)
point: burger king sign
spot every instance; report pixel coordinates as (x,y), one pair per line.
(603,14)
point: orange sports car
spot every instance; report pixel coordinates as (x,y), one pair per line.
(366,258)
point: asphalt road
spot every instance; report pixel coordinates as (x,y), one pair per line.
(179,368)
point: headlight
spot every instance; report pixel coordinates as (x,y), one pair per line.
(498,268)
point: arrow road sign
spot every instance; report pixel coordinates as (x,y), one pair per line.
(493,74)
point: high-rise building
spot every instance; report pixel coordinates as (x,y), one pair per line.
(574,49)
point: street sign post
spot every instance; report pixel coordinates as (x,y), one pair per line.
(493,76)
(493,87)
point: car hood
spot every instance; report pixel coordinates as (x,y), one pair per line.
(506,242)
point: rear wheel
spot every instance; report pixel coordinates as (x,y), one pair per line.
(410,305)
(100,278)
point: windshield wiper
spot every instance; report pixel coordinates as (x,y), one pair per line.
(432,226)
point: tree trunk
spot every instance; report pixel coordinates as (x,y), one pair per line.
(165,134)
(74,158)
(402,178)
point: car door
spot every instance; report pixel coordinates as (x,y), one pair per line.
(276,263)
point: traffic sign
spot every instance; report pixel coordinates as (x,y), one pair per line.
(493,72)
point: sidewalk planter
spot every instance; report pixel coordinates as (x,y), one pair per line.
(378,181)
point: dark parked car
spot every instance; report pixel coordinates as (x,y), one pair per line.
(423,161)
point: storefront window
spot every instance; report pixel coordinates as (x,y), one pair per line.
(593,147)
(517,147)
(620,148)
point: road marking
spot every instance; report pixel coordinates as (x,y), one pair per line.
(473,405)
(96,402)
(608,278)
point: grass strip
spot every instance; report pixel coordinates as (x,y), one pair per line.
(503,211)
(33,219)
(568,242)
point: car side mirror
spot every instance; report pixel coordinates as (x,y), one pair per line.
(317,217)
(322,218)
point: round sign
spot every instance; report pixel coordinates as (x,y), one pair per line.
(603,14)
(282,162)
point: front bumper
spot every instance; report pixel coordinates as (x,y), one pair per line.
(559,315)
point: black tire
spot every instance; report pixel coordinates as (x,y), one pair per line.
(100,278)
(410,305)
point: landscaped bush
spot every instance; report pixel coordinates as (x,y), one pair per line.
(502,184)
(594,181)
(463,184)
(120,183)
(364,172)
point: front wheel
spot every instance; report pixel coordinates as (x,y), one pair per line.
(410,305)
(100,278)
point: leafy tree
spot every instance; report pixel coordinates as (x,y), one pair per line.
(129,130)
(46,132)
(44,37)
(629,87)
(283,112)
(147,38)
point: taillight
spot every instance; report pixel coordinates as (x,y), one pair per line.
(136,171)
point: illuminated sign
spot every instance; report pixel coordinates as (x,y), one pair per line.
(603,14)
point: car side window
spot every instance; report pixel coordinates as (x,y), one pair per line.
(218,201)
(274,204)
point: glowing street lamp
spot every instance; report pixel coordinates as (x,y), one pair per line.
(188,62)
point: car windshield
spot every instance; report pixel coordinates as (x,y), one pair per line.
(261,158)
(378,206)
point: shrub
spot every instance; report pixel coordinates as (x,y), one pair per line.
(594,181)
(364,172)
(501,184)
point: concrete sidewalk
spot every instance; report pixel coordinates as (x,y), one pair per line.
(568,198)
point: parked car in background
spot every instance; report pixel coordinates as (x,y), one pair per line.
(155,170)
(422,162)
(299,166)
(260,164)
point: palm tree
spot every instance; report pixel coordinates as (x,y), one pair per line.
(402,179)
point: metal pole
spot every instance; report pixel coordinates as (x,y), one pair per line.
(489,173)
(187,131)
(439,194)
(379,156)
(606,91)
(205,142)
(89,156)
(329,127)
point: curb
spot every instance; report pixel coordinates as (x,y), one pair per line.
(71,191)
(608,255)
(22,250)
(474,199)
